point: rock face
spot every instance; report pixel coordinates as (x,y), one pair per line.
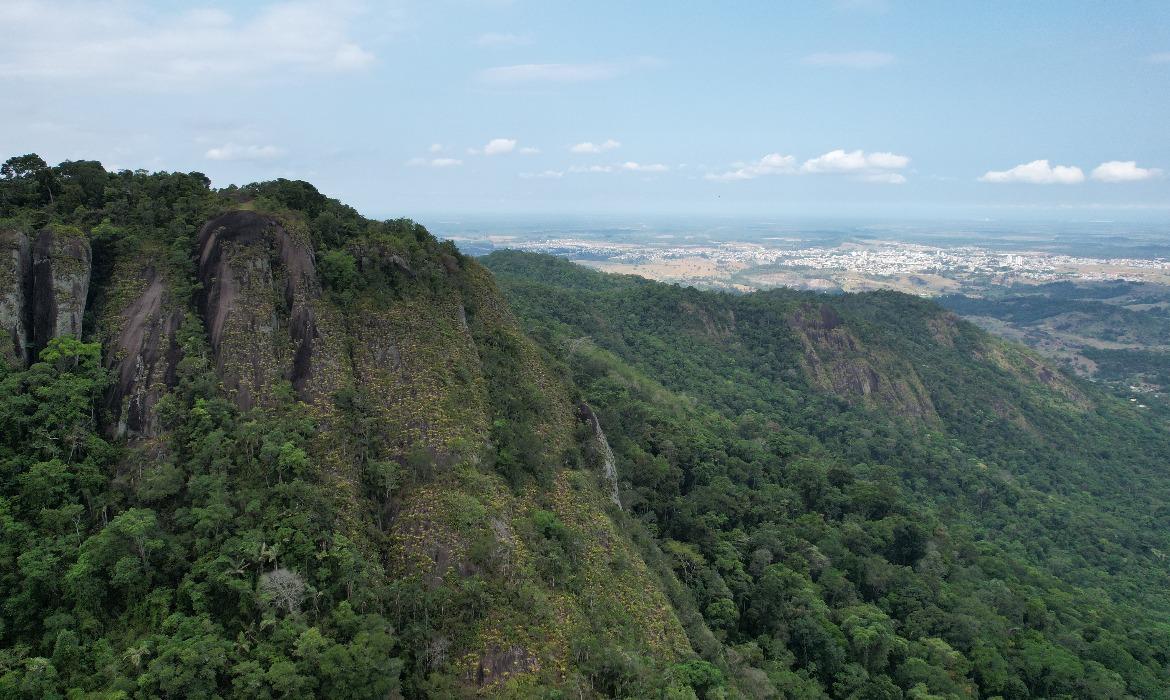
(43,289)
(259,284)
(142,357)
(61,264)
(603,451)
(14,278)
(835,361)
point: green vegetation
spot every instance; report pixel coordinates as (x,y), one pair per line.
(413,522)
(1117,333)
(1009,541)
(849,497)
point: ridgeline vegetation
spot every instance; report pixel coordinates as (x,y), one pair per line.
(255,445)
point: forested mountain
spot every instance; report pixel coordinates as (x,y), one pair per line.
(254,445)
(868,497)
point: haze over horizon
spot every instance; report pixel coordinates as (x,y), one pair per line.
(849,108)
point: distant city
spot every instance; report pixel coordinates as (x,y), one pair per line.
(920,258)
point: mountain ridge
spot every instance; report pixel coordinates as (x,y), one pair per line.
(381,383)
(296,452)
(1027,480)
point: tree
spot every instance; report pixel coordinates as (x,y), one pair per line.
(30,177)
(284,589)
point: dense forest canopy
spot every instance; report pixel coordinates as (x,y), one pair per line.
(937,513)
(294,452)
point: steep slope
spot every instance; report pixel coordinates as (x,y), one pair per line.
(326,459)
(868,497)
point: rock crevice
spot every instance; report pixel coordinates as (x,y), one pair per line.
(61,265)
(44,284)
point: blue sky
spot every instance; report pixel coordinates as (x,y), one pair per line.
(853,108)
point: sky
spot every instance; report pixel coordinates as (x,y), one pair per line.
(453,108)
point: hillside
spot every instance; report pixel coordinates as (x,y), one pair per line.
(1117,333)
(255,445)
(869,497)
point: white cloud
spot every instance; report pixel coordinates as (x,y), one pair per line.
(841,161)
(494,40)
(529,150)
(1038,172)
(545,175)
(850,59)
(886,160)
(1123,171)
(1160,57)
(771,164)
(590,147)
(645,168)
(232,151)
(132,44)
(435,162)
(870,167)
(549,73)
(436,148)
(497,147)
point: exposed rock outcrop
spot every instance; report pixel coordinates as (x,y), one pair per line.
(259,289)
(834,360)
(602,450)
(61,266)
(14,279)
(143,356)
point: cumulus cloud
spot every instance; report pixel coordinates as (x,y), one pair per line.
(529,150)
(232,151)
(645,167)
(435,162)
(133,44)
(841,161)
(1038,172)
(771,164)
(590,147)
(850,59)
(870,167)
(1123,171)
(497,147)
(495,40)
